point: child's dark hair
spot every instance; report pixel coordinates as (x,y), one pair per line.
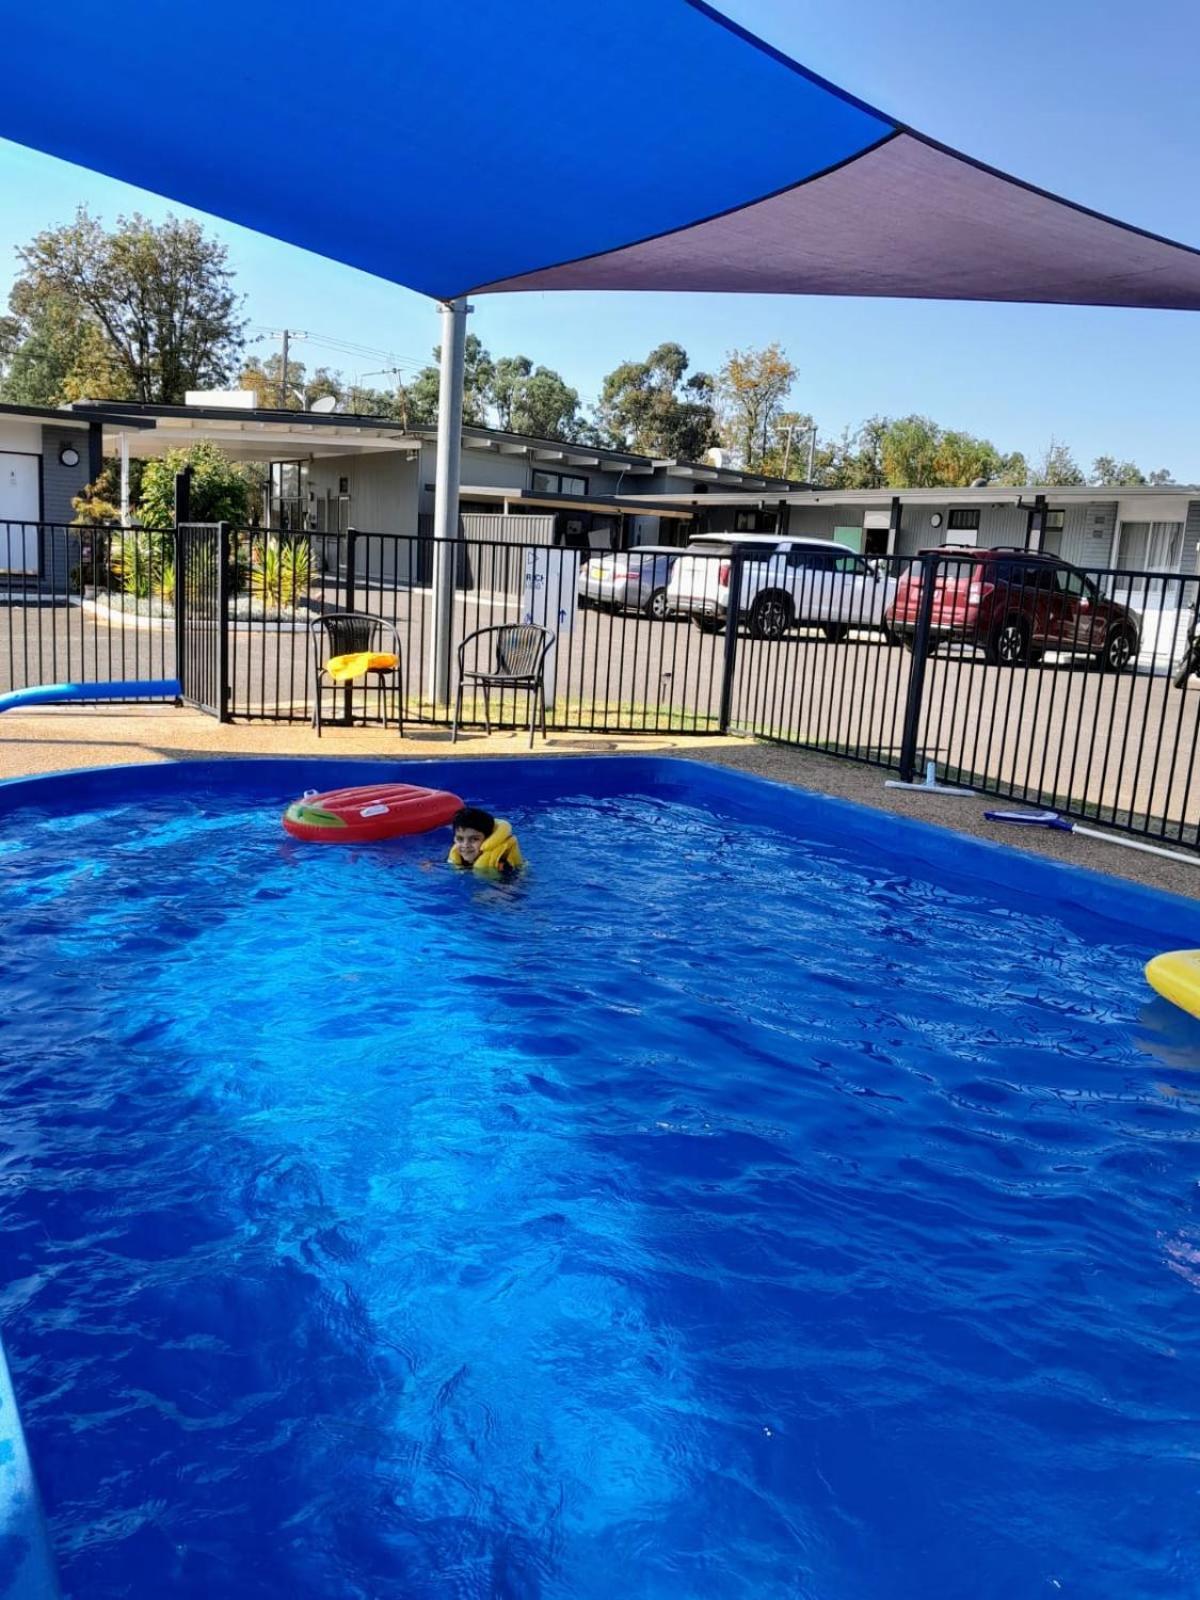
(473,817)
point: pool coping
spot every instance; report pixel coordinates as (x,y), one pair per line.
(950,856)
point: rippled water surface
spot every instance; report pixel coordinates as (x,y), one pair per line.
(705,1214)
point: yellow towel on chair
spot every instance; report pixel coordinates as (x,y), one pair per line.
(500,852)
(342,668)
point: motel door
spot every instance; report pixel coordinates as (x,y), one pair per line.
(1150,552)
(19,509)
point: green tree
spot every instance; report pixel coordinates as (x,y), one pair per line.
(752,387)
(417,402)
(909,449)
(160,299)
(303,392)
(657,408)
(49,354)
(1058,468)
(1108,473)
(221,489)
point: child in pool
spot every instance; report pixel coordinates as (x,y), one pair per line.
(484,844)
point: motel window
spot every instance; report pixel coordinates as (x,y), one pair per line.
(963,521)
(1055,521)
(755,521)
(285,480)
(559,483)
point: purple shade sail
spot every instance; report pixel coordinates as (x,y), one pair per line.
(907,219)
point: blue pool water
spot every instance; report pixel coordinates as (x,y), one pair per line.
(715,1211)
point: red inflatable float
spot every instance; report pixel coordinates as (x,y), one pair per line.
(369,811)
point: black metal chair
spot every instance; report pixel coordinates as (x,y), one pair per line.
(519,651)
(341,633)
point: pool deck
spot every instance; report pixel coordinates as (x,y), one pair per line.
(68,737)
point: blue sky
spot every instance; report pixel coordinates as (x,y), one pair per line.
(1092,100)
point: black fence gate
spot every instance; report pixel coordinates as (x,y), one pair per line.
(202,589)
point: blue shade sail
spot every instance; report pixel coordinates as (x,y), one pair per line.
(553,144)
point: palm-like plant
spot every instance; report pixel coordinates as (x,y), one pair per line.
(279,571)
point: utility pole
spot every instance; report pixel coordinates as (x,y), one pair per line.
(812,446)
(398,374)
(285,336)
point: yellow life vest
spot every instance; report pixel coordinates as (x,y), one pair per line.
(500,850)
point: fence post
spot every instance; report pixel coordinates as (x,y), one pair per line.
(180,604)
(349,601)
(183,496)
(733,617)
(916,676)
(224,587)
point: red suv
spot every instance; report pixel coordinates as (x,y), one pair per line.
(1015,605)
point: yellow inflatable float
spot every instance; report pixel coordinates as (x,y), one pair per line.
(1176,976)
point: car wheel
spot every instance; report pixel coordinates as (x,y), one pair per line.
(770,616)
(1008,645)
(1118,652)
(836,632)
(656,607)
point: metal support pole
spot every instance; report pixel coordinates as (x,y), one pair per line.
(445,494)
(733,617)
(123,446)
(183,497)
(916,676)
(894,525)
(349,602)
(1036,525)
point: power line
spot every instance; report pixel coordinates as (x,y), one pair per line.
(345,346)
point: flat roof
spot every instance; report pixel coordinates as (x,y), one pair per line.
(601,503)
(232,426)
(991,494)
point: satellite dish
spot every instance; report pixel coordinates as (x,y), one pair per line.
(326,404)
(715,458)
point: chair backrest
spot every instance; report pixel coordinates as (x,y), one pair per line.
(521,648)
(343,633)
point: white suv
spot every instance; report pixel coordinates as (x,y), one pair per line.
(785,583)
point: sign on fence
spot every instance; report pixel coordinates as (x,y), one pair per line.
(549,598)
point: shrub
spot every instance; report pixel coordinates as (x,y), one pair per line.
(280,570)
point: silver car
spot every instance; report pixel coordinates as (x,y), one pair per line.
(630,579)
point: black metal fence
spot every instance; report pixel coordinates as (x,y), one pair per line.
(1063,688)
(1022,678)
(84,604)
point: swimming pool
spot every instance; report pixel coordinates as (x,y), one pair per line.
(759,1197)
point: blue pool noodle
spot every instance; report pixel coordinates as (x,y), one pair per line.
(52,694)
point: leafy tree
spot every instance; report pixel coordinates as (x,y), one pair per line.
(909,449)
(49,354)
(752,387)
(159,298)
(1058,468)
(1108,473)
(656,408)
(221,489)
(509,375)
(302,391)
(545,406)
(417,402)
(101,500)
